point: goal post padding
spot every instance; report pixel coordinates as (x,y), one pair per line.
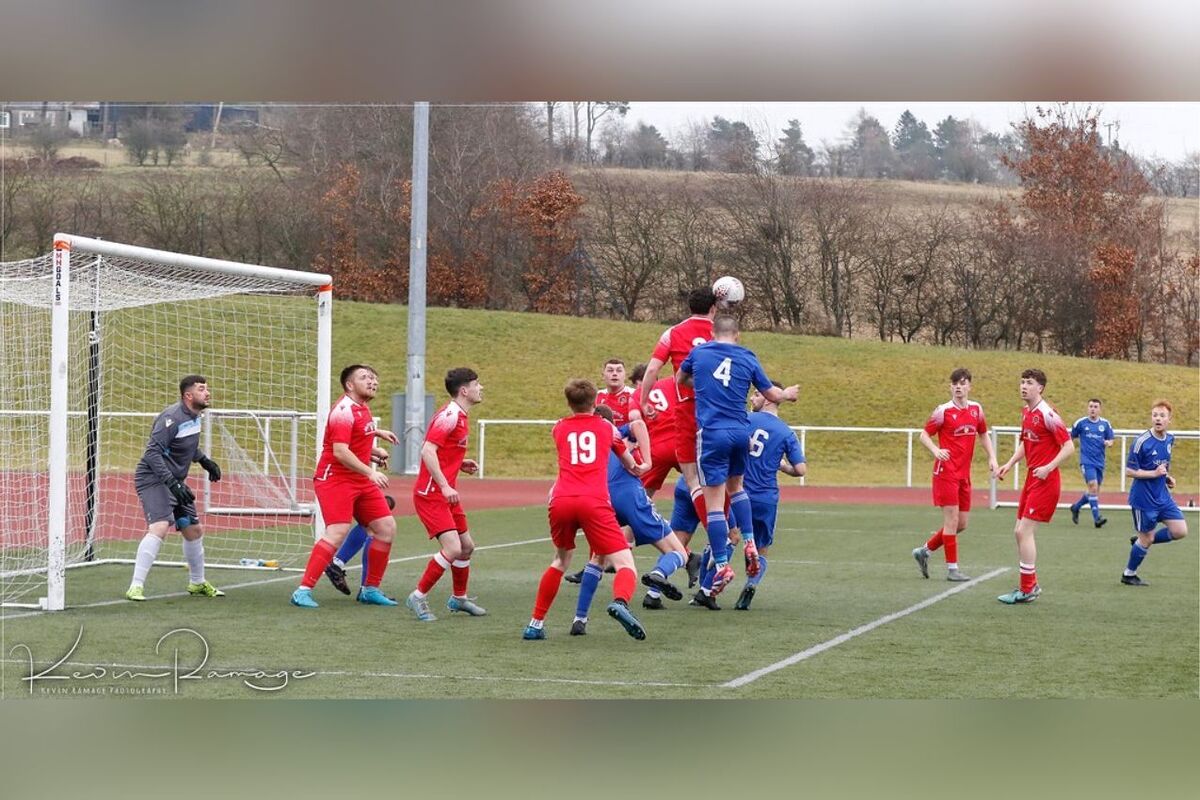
(95,337)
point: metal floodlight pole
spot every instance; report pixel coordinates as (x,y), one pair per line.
(414,399)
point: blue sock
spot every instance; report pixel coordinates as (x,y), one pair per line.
(362,579)
(708,569)
(669,562)
(587,589)
(739,508)
(1136,554)
(1094,502)
(1162,536)
(355,540)
(762,571)
(718,537)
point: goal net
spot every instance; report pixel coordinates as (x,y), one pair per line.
(94,338)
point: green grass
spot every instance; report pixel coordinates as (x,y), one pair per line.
(832,569)
(524,359)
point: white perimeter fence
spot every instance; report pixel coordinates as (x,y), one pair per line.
(1116,466)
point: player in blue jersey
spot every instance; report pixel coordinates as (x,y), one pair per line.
(1149,465)
(723,372)
(635,511)
(773,448)
(1095,436)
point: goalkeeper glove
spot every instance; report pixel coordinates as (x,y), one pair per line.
(212,468)
(180,491)
(751,558)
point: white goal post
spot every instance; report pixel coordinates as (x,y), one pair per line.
(94,339)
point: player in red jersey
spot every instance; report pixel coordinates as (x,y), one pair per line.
(579,499)
(663,398)
(348,489)
(435,496)
(622,399)
(1045,443)
(957,425)
(674,346)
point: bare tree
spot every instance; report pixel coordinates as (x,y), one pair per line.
(595,111)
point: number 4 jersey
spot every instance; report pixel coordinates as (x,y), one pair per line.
(583,442)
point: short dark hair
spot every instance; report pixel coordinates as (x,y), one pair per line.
(1096,400)
(458,378)
(349,371)
(962,373)
(724,325)
(580,394)
(1037,375)
(604,411)
(188,381)
(638,373)
(614,361)
(701,301)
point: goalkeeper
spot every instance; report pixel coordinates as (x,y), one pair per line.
(166,499)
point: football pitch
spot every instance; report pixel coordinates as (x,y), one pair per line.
(842,613)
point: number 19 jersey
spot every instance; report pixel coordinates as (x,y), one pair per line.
(583,442)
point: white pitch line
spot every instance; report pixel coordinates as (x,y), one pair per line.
(282,579)
(803,655)
(392,675)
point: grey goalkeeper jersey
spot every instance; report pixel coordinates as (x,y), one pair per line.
(173,445)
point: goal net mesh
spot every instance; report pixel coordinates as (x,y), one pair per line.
(135,328)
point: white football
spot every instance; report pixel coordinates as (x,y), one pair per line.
(729,290)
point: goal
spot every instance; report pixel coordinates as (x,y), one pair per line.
(94,338)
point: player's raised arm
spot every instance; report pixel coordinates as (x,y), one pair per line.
(642,437)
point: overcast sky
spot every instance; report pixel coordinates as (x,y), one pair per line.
(1163,130)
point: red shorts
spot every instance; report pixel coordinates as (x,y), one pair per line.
(952,492)
(595,515)
(343,501)
(437,515)
(1039,499)
(685,432)
(663,462)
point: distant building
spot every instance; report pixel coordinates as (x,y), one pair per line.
(82,118)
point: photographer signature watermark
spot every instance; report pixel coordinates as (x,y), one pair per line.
(65,676)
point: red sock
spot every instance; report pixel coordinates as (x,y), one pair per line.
(951,541)
(623,584)
(701,508)
(377,561)
(322,553)
(935,541)
(459,572)
(433,571)
(1028,578)
(547,589)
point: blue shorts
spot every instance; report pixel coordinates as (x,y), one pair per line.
(635,510)
(1144,519)
(683,516)
(721,454)
(764,509)
(1091,473)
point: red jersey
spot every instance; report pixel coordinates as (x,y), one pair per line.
(956,429)
(583,442)
(349,423)
(448,430)
(678,340)
(662,426)
(1043,434)
(621,403)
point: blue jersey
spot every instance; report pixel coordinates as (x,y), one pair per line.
(619,478)
(1092,436)
(770,440)
(722,374)
(1147,453)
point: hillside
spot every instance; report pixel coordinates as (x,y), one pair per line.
(523,360)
